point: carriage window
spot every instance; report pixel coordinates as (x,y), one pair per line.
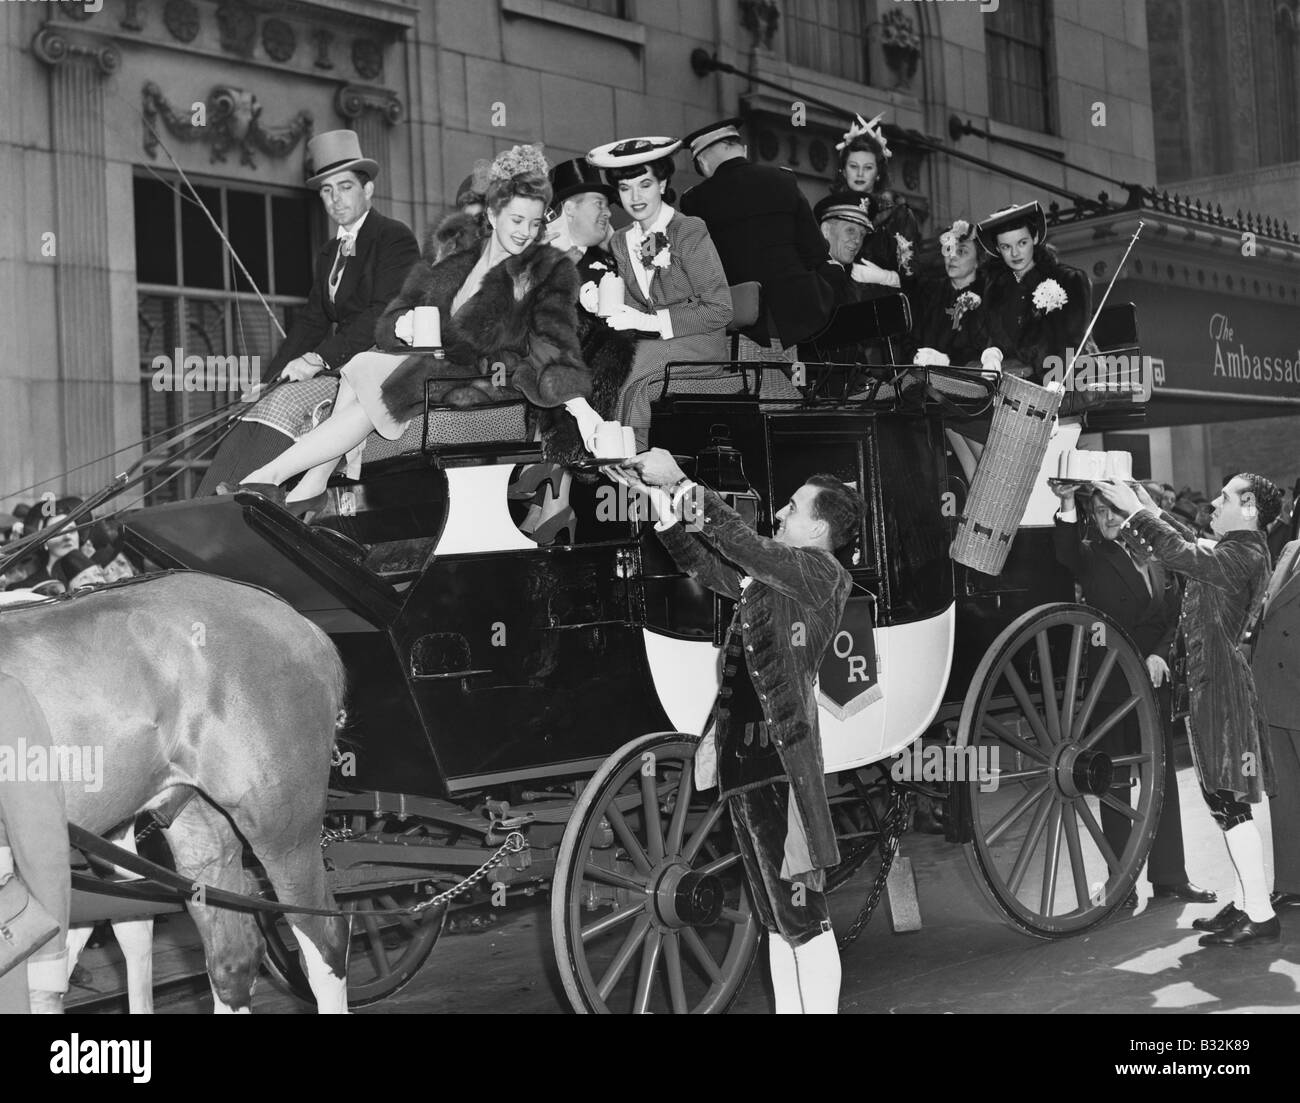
(190,296)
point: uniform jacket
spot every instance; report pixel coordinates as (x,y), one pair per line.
(1276,660)
(1023,332)
(1225,589)
(764,230)
(790,587)
(693,288)
(338,330)
(524,318)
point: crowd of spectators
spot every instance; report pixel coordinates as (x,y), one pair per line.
(86,553)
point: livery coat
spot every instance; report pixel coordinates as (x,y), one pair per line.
(1225,589)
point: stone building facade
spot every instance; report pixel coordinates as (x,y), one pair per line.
(111,264)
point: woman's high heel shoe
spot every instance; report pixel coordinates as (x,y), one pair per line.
(548,531)
(533,476)
(304,507)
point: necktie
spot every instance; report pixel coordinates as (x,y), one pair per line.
(347,248)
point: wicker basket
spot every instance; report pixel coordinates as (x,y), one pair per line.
(1022,425)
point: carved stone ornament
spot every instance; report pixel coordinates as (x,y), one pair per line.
(352,100)
(233,122)
(278,40)
(54,47)
(324,40)
(237,26)
(760,18)
(131,20)
(367,58)
(77,11)
(181,18)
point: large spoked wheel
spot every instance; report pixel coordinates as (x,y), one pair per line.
(649,907)
(1060,721)
(387,950)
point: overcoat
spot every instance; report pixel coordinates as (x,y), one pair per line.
(791,587)
(1225,589)
(1276,656)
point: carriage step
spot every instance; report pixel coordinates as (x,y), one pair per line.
(900,895)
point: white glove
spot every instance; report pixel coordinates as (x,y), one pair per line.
(404,330)
(628,317)
(1158,669)
(588,421)
(991,359)
(930,358)
(865,271)
(301,369)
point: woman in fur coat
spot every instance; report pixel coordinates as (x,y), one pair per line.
(509,330)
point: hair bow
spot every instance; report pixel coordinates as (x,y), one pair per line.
(871,129)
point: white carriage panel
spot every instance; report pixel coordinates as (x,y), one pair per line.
(478,512)
(686,677)
(914,663)
(1043,504)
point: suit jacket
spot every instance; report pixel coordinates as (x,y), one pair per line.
(693,288)
(1225,589)
(1276,661)
(339,330)
(1111,582)
(790,586)
(764,230)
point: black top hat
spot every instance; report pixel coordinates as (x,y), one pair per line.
(1029,215)
(570,178)
(700,140)
(836,206)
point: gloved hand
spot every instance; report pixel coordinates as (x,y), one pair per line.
(1158,669)
(865,271)
(991,359)
(404,330)
(588,421)
(930,358)
(628,317)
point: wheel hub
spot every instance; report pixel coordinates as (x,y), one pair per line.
(686,898)
(1083,772)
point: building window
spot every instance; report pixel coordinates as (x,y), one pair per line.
(190,296)
(616,8)
(1015,36)
(828,36)
(1286,44)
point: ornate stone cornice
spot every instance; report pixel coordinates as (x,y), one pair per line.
(233,121)
(352,100)
(55,44)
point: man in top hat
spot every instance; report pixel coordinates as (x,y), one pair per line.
(844,225)
(358,271)
(580,212)
(764,230)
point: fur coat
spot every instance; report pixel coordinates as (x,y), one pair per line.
(525,317)
(453,234)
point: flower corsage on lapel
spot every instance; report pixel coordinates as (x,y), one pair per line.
(966,302)
(1048,296)
(654,250)
(904,250)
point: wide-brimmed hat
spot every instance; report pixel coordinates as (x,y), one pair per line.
(570,178)
(633,151)
(336,151)
(700,140)
(836,206)
(1029,215)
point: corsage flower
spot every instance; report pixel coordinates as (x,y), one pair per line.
(1048,296)
(966,302)
(951,238)
(654,250)
(904,254)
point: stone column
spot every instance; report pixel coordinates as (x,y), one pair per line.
(372,113)
(78,65)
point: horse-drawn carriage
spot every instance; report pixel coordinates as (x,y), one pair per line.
(558,692)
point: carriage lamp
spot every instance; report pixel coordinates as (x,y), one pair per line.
(720,467)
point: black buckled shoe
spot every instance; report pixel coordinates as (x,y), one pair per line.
(1224,918)
(1187,892)
(1285,900)
(1244,932)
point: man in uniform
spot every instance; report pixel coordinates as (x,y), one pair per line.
(845,226)
(764,230)
(790,592)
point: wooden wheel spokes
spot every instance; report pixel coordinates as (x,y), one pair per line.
(667,894)
(1044,872)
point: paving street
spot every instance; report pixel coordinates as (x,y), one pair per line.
(964,960)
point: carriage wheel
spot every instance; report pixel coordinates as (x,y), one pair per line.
(386,951)
(1040,765)
(648,873)
(854,799)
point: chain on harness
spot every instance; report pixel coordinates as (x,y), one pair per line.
(894,825)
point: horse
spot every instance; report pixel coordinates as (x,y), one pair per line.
(214,703)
